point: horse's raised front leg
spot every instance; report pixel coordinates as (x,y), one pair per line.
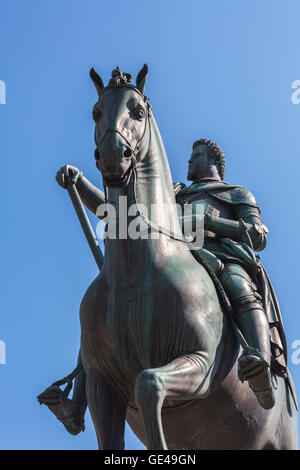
(107,410)
(184,378)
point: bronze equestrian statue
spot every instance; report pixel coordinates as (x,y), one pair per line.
(187,345)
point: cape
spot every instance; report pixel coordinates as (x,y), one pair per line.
(232,194)
(241,253)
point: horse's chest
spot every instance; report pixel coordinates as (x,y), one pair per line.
(143,325)
(130,316)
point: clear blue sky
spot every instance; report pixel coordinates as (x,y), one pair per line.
(219,70)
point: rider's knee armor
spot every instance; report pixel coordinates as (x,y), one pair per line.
(240,289)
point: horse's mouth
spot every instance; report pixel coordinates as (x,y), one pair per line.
(118,181)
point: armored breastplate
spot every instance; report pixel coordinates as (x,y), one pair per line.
(213,206)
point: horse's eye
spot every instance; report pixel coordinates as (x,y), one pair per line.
(96,113)
(139,112)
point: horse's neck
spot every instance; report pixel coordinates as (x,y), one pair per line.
(155,188)
(154,195)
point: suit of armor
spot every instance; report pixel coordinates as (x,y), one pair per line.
(233,227)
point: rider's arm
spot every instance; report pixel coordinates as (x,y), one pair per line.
(248,220)
(90,195)
(258,231)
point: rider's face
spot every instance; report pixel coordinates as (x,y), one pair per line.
(198,163)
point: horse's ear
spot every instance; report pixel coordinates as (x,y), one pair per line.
(141,78)
(97,80)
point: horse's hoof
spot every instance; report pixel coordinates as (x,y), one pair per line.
(53,395)
(73,423)
(69,413)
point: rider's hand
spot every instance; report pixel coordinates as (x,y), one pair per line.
(207,220)
(68,173)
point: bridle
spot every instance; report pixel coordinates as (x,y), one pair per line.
(132,170)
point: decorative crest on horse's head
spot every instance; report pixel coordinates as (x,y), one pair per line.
(119,78)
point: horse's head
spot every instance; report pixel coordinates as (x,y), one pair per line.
(121,130)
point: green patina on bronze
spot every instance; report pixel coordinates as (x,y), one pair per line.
(160,324)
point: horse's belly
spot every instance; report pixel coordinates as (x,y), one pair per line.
(230,418)
(204,429)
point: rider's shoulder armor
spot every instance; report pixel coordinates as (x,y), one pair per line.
(237,195)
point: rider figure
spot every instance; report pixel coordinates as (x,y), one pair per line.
(233,230)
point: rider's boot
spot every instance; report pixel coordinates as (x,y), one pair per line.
(251,319)
(254,363)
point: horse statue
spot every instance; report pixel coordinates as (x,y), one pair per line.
(157,345)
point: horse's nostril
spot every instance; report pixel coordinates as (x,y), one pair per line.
(127,153)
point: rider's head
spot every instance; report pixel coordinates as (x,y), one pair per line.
(207,160)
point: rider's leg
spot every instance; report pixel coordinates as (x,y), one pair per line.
(251,320)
